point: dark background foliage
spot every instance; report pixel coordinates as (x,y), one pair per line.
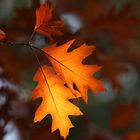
(113,27)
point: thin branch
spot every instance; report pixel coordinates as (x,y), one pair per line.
(33,47)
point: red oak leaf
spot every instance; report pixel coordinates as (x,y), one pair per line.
(44,23)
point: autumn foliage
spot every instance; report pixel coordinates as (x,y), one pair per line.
(70,68)
(67,69)
(55,101)
(44,23)
(87,58)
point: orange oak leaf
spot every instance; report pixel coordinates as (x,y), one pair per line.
(44,23)
(55,100)
(2,35)
(68,66)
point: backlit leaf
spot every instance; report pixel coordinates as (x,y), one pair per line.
(55,101)
(44,23)
(68,65)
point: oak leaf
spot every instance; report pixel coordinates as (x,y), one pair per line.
(44,23)
(55,100)
(68,66)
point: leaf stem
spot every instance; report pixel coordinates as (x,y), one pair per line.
(31,37)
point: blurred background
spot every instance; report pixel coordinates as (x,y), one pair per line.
(113,26)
